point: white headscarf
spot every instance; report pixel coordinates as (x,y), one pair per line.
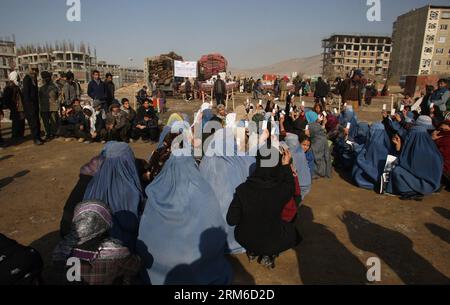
(14,77)
(93,117)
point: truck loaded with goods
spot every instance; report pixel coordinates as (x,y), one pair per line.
(161,70)
(211,65)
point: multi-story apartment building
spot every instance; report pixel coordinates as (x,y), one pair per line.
(421,42)
(8,59)
(131,75)
(367,52)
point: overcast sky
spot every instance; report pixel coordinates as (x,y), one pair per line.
(250,33)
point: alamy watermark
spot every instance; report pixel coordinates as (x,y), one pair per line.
(74,12)
(374,12)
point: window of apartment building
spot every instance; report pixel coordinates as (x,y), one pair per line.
(432,26)
(428,50)
(440,51)
(437,62)
(349,53)
(444,27)
(434,15)
(448,63)
(364,54)
(356,48)
(355,54)
(442,39)
(355,61)
(446,15)
(363,61)
(429,39)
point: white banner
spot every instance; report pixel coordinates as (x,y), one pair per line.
(186,69)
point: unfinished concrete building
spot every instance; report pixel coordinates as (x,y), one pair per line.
(57,59)
(8,59)
(344,52)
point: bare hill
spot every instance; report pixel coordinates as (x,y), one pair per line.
(308,65)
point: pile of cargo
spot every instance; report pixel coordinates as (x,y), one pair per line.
(210,65)
(162,68)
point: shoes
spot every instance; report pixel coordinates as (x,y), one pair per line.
(103,142)
(38,142)
(80,140)
(268,261)
(412,197)
(252,257)
(68,140)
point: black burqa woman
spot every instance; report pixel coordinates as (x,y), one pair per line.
(256,210)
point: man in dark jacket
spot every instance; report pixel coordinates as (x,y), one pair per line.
(322,91)
(110,89)
(49,105)
(96,88)
(351,89)
(188,89)
(220,90)
(143,110)
(13,99)
(31,104)
(147,129)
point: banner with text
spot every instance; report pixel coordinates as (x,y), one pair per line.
(186,69)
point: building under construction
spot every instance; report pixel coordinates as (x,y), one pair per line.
(8,59)
(367,52)
(58,58)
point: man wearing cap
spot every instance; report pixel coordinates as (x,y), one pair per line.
(117,126)
(351,89)
(49,105)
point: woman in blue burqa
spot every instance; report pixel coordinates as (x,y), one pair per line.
(420,164)
(370,162)
(225,170)
(182,235)
(300,163)
(117,183)
(319,146)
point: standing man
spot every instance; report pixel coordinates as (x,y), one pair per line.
(220,89)
(188,90)
(31,104)
(283,89)
(351,89)
(441,96)
(110,89)
(49,105)
(13,99)
(96,88)
(71,90)
(321,92)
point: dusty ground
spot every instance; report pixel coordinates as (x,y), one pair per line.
(342,226)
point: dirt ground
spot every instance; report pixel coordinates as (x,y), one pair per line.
(342,226)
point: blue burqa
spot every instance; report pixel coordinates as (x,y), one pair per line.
(370,162)
(420,165)
(349,116)
(300,163)
(181,236)
(225,172)
(117,184)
